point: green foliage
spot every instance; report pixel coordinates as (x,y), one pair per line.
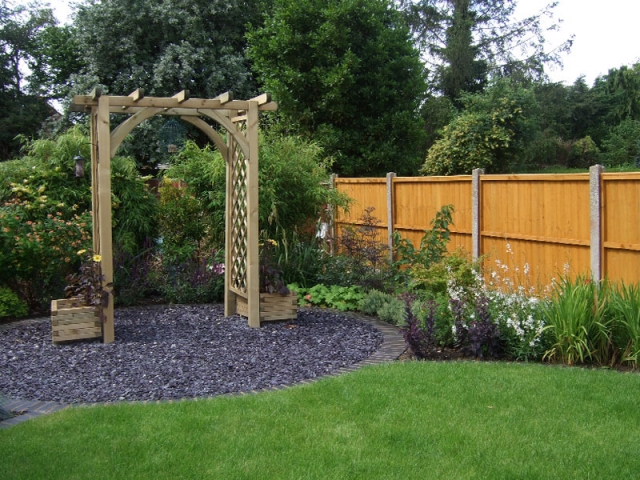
(300,259)
(469,39)
(291,193)
(624,307)
(373,301)
(182,220)
(197,279)
(45,215)
(10,305)
(334,296)
(166,47)
(622,146)
(584,153)
(433,244)
(387,307)
(394,311)
(346,75)
(455,267)
(22,104)
(490,133)
(574,319)
(362,259)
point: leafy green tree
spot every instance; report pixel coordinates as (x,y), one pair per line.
(291,175)
(467,41)
(346,75)
(165,46)
(23,107)
(622,146)
(492,133)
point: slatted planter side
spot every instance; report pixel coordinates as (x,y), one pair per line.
(72,321)
(273,306)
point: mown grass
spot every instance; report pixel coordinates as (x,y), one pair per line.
(404,420)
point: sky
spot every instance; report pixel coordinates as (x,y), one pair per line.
(605,34)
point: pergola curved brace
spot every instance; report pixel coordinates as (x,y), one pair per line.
(227,123)
(210,132)
(121,131)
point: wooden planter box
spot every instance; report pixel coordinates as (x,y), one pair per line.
(69,321)
(273,306)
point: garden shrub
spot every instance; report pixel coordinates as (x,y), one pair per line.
(339,297)
(299,257)
(624,308)
(136,275)
(373,301)
(420,334)
(292,174)
(622,146)
(193,280)
(45,215)
(432,248)
(361,259)
(394,311)
(10,305)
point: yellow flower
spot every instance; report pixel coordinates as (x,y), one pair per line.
(81,252)
(97,258)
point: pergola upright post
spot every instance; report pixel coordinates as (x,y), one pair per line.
(253,232)
(101,209)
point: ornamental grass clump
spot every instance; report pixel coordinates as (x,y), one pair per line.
(576,322)
(624,308)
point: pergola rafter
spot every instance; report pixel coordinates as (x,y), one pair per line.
(240,119)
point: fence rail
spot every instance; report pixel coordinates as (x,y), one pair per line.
(554,224)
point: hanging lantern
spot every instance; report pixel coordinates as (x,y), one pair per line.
(171,136)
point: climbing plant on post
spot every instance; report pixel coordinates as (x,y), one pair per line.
(241,121)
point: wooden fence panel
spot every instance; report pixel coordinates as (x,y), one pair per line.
(544,224)
(365,193)
(621,229)
(544,219)
(418,199)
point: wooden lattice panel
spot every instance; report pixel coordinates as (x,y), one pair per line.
(239,221)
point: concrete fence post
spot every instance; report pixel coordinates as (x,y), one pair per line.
(595,197)
(390,216)
(476,214)
(332,217)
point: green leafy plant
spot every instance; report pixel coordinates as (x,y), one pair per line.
(88,284)
(362,259)
(433,245)
(10,305)
(271,274)
(387,307)
(334,296)
(373,301)
(394,311)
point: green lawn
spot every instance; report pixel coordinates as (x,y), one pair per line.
(403,420)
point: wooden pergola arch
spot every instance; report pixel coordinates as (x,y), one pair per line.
(241,120)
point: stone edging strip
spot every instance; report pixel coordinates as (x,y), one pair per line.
(392,347)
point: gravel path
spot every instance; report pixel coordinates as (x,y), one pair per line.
(170,352)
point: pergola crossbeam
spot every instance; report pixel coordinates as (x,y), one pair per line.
(81,101)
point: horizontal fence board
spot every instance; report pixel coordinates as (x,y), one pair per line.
(545,219)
